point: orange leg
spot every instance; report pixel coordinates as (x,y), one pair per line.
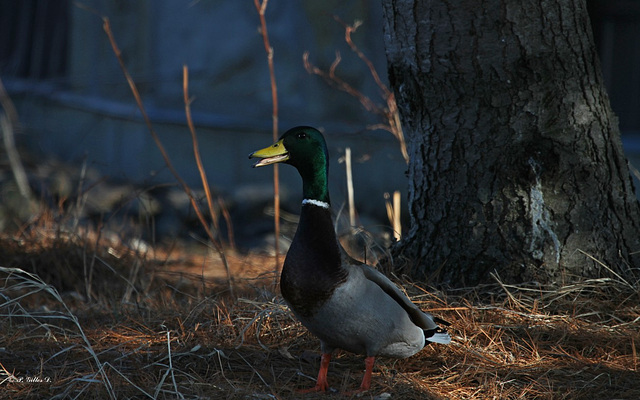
(322,385)
(366,380)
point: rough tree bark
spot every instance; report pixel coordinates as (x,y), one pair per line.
(516,159)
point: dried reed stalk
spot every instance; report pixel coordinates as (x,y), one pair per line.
(393,207)
(350,199)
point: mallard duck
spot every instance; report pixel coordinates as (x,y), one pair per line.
(346,304)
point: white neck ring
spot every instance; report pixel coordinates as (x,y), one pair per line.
(316,203)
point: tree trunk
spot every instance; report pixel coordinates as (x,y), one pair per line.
(516,160)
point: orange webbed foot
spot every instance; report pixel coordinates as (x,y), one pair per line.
(322,384)
(366,380)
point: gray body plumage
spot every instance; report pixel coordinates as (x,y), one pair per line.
(361,317)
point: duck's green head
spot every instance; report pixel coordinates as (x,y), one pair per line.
(304,148)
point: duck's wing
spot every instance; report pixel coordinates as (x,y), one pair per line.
(427,322)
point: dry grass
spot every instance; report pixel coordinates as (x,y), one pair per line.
(162,325)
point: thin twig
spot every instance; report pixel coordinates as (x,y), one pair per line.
(165,156)
(348,30)
(196,149)
(389,112)
(203,175)
(227,217)
(262,8)
(332,79)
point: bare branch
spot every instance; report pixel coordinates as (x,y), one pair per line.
(389,113)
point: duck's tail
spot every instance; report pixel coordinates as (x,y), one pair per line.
(437,335)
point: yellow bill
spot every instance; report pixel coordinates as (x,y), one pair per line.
(270,155)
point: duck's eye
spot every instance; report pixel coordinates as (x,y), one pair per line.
(302,135)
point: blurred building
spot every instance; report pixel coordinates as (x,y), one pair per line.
(74,102)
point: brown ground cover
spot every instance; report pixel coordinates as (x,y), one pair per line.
(88,317)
